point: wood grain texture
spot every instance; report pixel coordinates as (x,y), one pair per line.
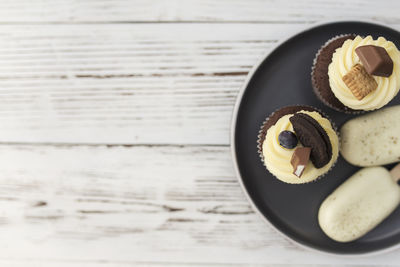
(271,11)
(125,204)
(126,83)
(160,77)
(77,205)
(35,263)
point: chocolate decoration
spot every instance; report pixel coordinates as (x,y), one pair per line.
(311,134)
(300,159)
(375,60)
(275,116)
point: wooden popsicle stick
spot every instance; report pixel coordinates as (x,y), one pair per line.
(395,173)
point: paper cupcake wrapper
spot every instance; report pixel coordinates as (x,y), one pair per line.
(313,82)
(263,132)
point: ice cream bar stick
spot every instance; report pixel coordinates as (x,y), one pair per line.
(395,173)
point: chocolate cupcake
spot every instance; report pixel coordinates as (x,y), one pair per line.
(319,73)
(352,74)
(298,144)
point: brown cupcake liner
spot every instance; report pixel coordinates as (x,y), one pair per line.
(272,119)
(313,82)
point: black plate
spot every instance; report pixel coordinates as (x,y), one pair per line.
(283,78)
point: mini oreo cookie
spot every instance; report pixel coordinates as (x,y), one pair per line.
(319,73)
(321,131)
(311,134)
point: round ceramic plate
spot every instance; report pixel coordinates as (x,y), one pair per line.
(281,79)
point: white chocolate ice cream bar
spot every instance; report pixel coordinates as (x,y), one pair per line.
(372,139)
(359,204)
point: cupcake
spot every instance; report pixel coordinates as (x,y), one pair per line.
(298,144)
(354,74)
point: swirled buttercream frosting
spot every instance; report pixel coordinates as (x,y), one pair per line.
(345,58)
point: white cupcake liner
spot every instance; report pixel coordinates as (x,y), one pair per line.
(263,132)
(313,82)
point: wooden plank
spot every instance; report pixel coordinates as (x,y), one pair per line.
(126,205)
(116,263)
(35,263)
(304,11)
(126,83)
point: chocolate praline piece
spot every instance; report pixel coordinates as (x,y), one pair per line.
(299,160)
(375,60)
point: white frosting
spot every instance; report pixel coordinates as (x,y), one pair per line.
(345,58)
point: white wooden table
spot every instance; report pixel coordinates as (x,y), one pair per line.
(114,130)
